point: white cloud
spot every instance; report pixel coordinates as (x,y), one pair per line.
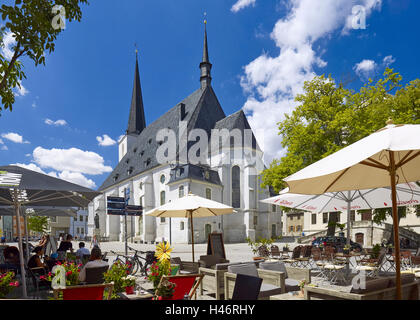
(272,82)
(240,4)
(77,178)
(1,141)
(365,68)
(34,104)
(4,148)
(73,160)
(21,91)
(74,177)
(388,60)
(105,141)
(14,137)
(55,123)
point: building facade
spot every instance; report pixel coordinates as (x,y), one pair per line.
(227,173)
(79,224)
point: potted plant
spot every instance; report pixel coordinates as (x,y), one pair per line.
(71,270)
(302,284)
(7,285)
(375,251)
(165,290)
(162,267)
(116,275)
(260,247)
(129,282)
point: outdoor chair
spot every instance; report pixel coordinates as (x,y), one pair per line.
(319,264)
(213,281)
(373,266)
(185,267)
(34,274)
(269,277)
(104,256)
(304,261)
(295,255)
(406,260)
(95,275)
(292,275)
(186,284)
(275,252)
(246,287)
(86,292)
(209,261)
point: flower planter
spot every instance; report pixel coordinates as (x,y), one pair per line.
(129,290)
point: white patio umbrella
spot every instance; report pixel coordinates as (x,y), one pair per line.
(386,158)
(407,194)
(191,206)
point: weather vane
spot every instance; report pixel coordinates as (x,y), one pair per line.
(205,17)
(135,45)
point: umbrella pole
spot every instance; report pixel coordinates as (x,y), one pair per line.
(192,235)
(395,224)
(348,229)
(21,260)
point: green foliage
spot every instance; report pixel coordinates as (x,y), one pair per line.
(117,274)
(375,251)
(157,271)
(330,117)
(31,24)
(261,245)
(7,284)
(38,224)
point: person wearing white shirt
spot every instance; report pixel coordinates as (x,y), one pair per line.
(94,261)
(82,250)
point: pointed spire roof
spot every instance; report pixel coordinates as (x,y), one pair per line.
(136,120)
(205,65)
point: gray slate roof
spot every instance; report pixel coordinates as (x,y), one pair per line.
(194,172)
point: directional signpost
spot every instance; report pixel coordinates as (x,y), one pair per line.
(119,206)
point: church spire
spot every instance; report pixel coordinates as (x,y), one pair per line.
(136,120)
(205,65)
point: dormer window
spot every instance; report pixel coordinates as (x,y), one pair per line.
(147,162)
(127,161)
(150,141)
(135,150)
(116,177)
(130,170)
(142,153)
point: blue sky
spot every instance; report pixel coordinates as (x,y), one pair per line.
(261,52)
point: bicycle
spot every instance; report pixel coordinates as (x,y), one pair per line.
(148,260)
(127,259)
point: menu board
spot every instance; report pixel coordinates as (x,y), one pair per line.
(215,245)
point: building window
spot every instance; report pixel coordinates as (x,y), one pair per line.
(298,228)
(181,225)
(291,218)
(53,219)
(338,216)
(162,198)
(141,201)
(313,218)
(325,217)
(255,220)
(367,216)
(208,193)
(141,185)
(78,230)
(236,187)
(162,220)
(162,179)
(82,231)
(181,191)
(352,215)
(273,208)
(291,229)
(298,217)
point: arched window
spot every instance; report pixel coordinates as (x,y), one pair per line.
(236,187)
(162,179)
(208,193)
(162,198)
(181,191)
(182,225)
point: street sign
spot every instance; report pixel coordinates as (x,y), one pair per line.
(115,199)
(132,210)
(115,205)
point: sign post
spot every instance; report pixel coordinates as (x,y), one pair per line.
(119,206)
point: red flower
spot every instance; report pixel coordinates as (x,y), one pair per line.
(78,270)
(50,274)
(68,273)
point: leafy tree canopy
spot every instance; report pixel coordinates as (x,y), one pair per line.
(38,224)
(31,24)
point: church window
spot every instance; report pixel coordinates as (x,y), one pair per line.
(141,185)
(162,198)
(182,225)
(236,187)
(181,191)
(162,178)
(208,193)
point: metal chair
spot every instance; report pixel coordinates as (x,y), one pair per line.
(246,287)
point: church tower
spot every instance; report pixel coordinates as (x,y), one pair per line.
(205,65)
(136,120)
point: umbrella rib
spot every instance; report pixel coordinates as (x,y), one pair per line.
(161,213)
(336,179)
(404,160)
(211,211)
(6,200)
(322,209)
(375,164)
(362,196)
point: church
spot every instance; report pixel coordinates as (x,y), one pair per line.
(227,173)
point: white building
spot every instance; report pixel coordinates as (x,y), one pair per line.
(227,174)
(79,224)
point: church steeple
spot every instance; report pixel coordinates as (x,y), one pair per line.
(137,120)
(205,65)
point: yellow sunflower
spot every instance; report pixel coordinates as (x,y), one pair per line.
(163,251)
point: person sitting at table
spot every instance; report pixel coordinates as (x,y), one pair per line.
(95,260)
(35,260)
(11,255)
(66,244)
(82,250)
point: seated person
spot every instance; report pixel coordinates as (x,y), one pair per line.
(82,250)
(94,261)
(35,260)
(11,255)
(66,244)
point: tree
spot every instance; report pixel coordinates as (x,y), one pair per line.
(330,117)
(31,24)
(38,224)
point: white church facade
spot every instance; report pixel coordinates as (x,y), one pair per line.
(227,173)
